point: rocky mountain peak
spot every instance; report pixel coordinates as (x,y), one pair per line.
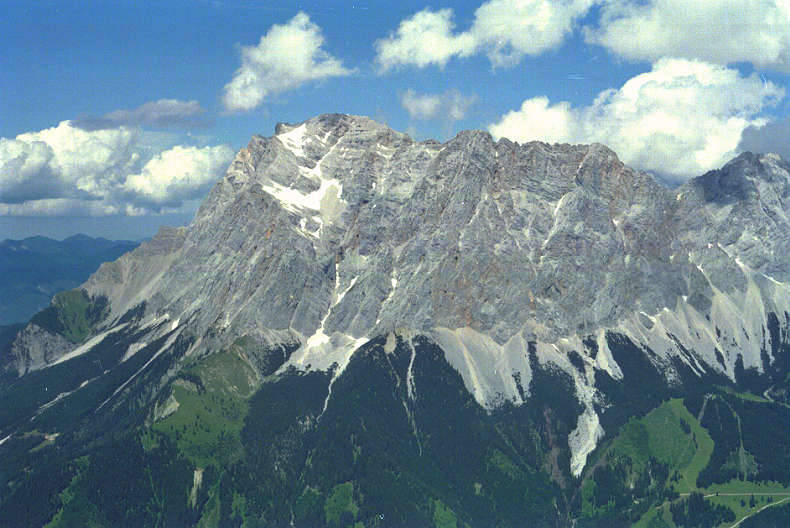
(338,230)
(743,178)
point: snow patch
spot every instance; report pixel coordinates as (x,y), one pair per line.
(296,201)
(385,152)
(489,370)
(89,344)
(393,285)
(583,439)
(133,349)
(325,352)
(559,203)
(293,140)
(168,343)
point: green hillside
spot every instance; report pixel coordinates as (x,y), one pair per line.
(219,446)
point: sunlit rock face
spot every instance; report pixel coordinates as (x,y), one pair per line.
(338,230)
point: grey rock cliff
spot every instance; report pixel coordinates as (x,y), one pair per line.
(35,348)
(493,236)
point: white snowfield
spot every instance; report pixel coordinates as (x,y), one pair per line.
(89,344)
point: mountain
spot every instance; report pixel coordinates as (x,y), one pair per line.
(361,329)
(36,268)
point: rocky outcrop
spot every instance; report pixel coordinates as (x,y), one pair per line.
(35,348)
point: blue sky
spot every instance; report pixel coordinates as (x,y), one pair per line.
(118,116)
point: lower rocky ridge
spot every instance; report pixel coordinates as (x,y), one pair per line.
(405,415)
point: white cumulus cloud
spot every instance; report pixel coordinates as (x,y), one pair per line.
(67,170)
(424,39)
(679,119)
(720,31)
(179,174)
(81,163)
(286,57)
(505,30)
(450,106)
(538,120)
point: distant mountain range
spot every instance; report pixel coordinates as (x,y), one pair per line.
(36,268)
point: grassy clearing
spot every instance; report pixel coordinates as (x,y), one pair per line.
(702,453)
(228,373)
(73,311)
(667,444)
(673,436)
(206,426)
(741,505)
(208,422)
(667,439)
(72,315)
(77,510)
(744,395)
(340,501)
(443,517)
(745,486)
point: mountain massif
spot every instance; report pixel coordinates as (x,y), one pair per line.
(358,329)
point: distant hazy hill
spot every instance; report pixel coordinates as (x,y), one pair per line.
(34,269)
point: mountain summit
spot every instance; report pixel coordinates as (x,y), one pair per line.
(338,243)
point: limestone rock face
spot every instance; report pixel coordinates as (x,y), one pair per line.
(337,230)
(35,348)
(498,237)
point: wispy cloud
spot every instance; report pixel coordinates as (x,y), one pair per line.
(448,106)
(771,137)
(164,113)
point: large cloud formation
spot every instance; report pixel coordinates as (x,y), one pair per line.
(286,57)
(679,119)
(719,31)
(67,170)
(505,30)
